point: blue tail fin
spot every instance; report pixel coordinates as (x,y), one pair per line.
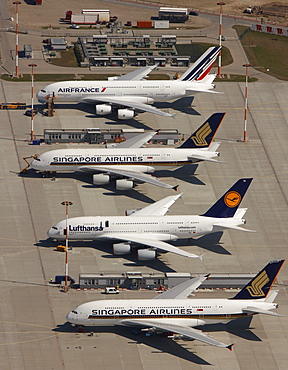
(228,204)
(204,135)
(261,284)
(199,70)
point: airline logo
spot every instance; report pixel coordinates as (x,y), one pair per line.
(255,289)
(78,89)
(94,160)
(232,199)
(200,137)
(85,228)
(140,312)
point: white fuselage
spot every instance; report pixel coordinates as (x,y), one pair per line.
(138,91)
(142,159)
(184,312)
(163,228)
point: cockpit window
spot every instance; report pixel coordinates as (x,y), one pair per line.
(54,227)
(38,159)
(76,313)
(43,91)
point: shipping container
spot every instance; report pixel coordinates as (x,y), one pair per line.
(144,24)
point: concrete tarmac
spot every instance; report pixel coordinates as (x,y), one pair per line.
(33,311)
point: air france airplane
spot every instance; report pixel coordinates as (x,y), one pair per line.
(130,93)
(128,162)
(150,228)
(172,312)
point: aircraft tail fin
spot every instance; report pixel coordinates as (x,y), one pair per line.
(259,287)
(204,135)
(228,204)
(200,69)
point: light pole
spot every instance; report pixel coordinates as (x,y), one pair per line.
(246,102)
(32,100)
(17,3)
(66,204)
(220,38)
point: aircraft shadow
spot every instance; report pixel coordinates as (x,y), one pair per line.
(238,327)
(185,173)
(157,345)
(183,105)
(106,247)
(210,242)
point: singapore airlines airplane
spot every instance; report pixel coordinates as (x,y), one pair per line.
(150,228)
(172,312)
(130,93)
(128,162)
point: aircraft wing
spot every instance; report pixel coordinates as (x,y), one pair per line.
(128,102)
(251,310)
(144,240)
(182,330)
(137,141)
(130,174)
(137,75)
(159,208)
(183,290)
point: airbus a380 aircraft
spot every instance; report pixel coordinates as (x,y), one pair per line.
(172,312)
(130,93)
(150,228)
(127,162)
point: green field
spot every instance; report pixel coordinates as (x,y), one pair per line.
(266,51)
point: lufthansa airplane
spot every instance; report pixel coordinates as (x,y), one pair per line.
(172,312)
(150,228)
(130,93)
(128,162)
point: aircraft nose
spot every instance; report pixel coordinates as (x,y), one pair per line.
(71,317)
(35,164)
(52,232)
(41,97)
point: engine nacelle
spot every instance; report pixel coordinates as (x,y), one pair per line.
(103,109)
(123,184)
(129,212)
(101,179)
(121,248)
(125,113)
(146,254)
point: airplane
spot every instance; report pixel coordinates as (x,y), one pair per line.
(128,162)
(174,313)
(130,93)
(150,228)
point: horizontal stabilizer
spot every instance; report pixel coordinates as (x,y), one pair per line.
(239,228)
(197,158)
(252,310)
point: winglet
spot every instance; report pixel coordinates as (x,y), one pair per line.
(230,346)
(175,187)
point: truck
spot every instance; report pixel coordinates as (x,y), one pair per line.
(173,15)
(90,16)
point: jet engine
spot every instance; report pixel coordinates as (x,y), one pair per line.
(103,109)
(101,179)
(123,184)
(146,254)
(125,113)
(129,212)
(121,248)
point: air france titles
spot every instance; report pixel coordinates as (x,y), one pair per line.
(95,160)
(151,312)
(78,90)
